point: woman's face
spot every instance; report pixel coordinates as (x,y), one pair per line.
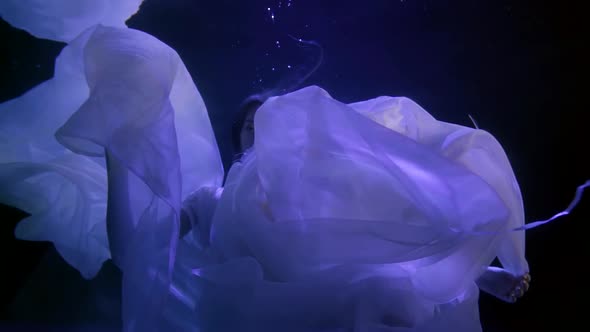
(247,131)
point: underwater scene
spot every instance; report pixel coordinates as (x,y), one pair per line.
(293,165)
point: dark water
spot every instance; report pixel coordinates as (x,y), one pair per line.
(518,67)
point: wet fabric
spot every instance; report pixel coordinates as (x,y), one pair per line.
(372,216)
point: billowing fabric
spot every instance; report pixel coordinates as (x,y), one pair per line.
(145,112)
(372,216)
(476,150)
(65,193)
(124,92)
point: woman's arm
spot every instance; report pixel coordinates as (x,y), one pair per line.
(119,217)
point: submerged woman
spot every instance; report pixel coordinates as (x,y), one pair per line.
(368,216)
(383,288)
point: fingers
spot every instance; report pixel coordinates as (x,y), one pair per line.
(521,288)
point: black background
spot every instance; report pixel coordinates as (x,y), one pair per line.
(518,67)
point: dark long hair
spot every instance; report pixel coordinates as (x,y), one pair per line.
(286,85)
(251,104)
